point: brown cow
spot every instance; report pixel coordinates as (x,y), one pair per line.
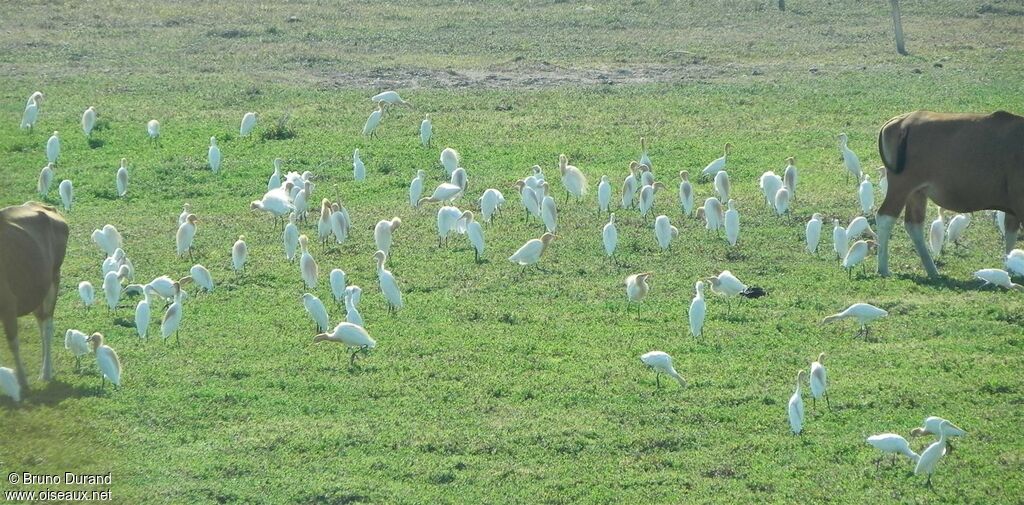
(962,162)
(33,240)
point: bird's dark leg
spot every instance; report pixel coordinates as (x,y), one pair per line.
(814,403)
(828,403)
(657,380)
(878,462)
(352,359)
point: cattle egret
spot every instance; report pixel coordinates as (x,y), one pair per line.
(352,314)
(201,276)
(997,277)
(248,123)
(153,129)
(88,121)
(239,253)
(316,310)
(856,254)
(796,407)
(475,233)
(45,180)
(274,181)
(323,225)
(186,209)
(930,456)
(698,309)
(449,160)
(1015,262)
(9,384)
(610,236)
(490,202)
(819,381)
(630,185)
(726,284)
(353,336)
(956,228)
(459,178)
(121,178)
(664,232)
(548,212)
(722,185)
(67,194)
(647,197)
(358,167)
(416,188)
(717,165)
(53,148)
(866,194)
(390,97)
(713,214)
(172,316)
(782,198)
(572,178)
(685,193)
(789,176)
(644,159)
(340,222)
(86,293)
(770,185)
(426,130)
(213,155)
(894,444)
(186,233)
(337,281)
(661,363)
(107,360)
(355,293)
(274,202)
(382,233)
(604,194)
(388,285)
(813,233)
(31,114)
(78,343)
(302,199)
(291,238)
(112,286)
(637,288)
(850,160)
(859,226)
(531,252)
(883,182)
(863,313)
(529,199)
(931,426)
(445,192)
(142,312)
(447,222)
(732,222)
(937,233)
(840,240)
(307,265)
(369,129)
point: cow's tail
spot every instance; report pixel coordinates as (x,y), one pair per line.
(892,144)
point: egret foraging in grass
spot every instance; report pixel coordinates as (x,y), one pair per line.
(957,227)
(383,233)
(88,121)
(307,265)
(291,238)
(78,343)
(426,130)
(475,233)
(316,310)
(932,454)
(490,203)
(866,195)
(142,312)
(302,200)
(388,284)
(819,381)
(186,234)
(937,233)
(604,194)
(572,178)
(108,239)
(352,336)
(340,222)
(726,284)
(172,316)
(549,212)
(352,314)
(796,407)
(355,293)
(447,222)
(186,210)
(416,188)
(337,280)
(53,148)
(812,234)
(531,252)
(45,180)
(840,242)
(883,182)
(112,286)
(647,197)
(67,194)
(782,199)
(323,225)
(529,199)
(274,202)
(713,214)
(863,313)
(239,253)
(87,293)
(722,185)
(153,129)
(459,178)
(858,227)
(732,223)
(789,176)
(931,426)
(630,185)
(850,159)
(661,363)
(445,192)
(891,443)
(121,179)
(997,277)
(1015,262)
(213,155)
(770,185)
(390,97)
(637,288)
(370,128)
(610,236)
(248,123)
(698,310)
(664,232)
(717,165)
(358,167)
(685,193)
(31,114)
(9,384)
(201,276)
(856,254)
(449,160)
(107,360)
(274,181)
(644,158)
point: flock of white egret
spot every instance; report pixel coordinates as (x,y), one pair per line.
(288,198)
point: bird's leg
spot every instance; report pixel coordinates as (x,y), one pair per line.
(894,459)
(657,380)
(352,359)
(878,462)
(78,363)
(814,403)
(828,403)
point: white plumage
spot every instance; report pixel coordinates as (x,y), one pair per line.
(45,180)
(358,167)
(106,359)
(531,252)
(698,310)
(173,315)
(274,202)
(855,255)
(383,233)
(121,178)
(201,276)
(866,195)
(957,227)
(490,203)
(274,181)
(391,97)
(426,131)
(142,312)
(549,213)
(248,123)
(86,293)
(770,185)
(475,233)
(447,222)
(449,160)
(67,194)
(610,236)
(388,284)
(664,232)
(373,121)
(307,264)
(717,165)
(713,214)
(661,363)
(53,148)
(997,277)
(932,454)
(891,443)
(9,384)
(316,310)
(337,280)
(604,194)
(685,193)
(572,178)
(812,233)
(88,121)
(732,222)
(819,379)
(416,188)
(239,253)
(850,160)
(722,185)
(31,114)
(213,155)
(937,233)
(153,129)
(186,234)
(796,407)
(840,241)
(863,313)
(290,237)
(782,198)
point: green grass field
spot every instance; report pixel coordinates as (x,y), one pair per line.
(491,386)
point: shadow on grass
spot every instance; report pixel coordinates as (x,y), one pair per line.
(943,282)
(56,391)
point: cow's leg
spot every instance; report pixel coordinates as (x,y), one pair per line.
(895,199)
(44,316)
(917,204)
(1012,225)
(11,328)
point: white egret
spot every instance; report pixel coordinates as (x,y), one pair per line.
(323,225)
(352,314)
(449,160)
(840,241)
(307,265)
(316,310)
(863,313)
(355,293)
(274,202)
(213,155)
(931,426)
(782,198)
(850,159)
(726,284)
(87,293)
(459,178)
(112,286)
(604,194)
(717,165)
(647,197)
(173,315)
(383,233)
(274,181)
(337,280)
(1015,262)
(819,381)
(894,444)
(445,192)
(932,454)
(637,288)
(529,199)
(610,236)
(698,310)
(770,185)
(388,284)
(937,233)
(957,227)
(789,176)
(88,121)
(856,254)
(997,277)
(866,195)
(685,193)
(239,253)
(67,193)
(549,212)
(859,226)
(107,360)
(291,238)
(661,363)
(248,123)
(722,185)
(572,178)
(713,214)
(201,276)
(475,233)
(416,188)
(53,148)
(121,179)
(630,185)
(186,209)
(732,222)
(142,312)
(352,336)
(9,384)
(153,129)
(302,200)
(796,407)
(447,221)
(426,130)
(664,232)
(358,167)
(186,234)
(490,203)
(531,252)
(390,97)
(813,233)
(45,180)
(78,343)
(340,222)
(369,129)
(31,114)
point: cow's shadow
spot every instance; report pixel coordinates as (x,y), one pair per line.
(54,393)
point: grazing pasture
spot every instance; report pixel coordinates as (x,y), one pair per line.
(490,384)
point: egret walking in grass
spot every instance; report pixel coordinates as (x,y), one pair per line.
(931,426)
(549,212)
(337,281)
(274,202)
(153,130)
(856,255)
(416,188)
(447,222)
(87,293)
(610,236)
(186,234)
(770,185)
(387,282)
(630,185)
(316,310)
(390,97)
(78,343)
(859,227)
(727,285)
(88,121)
(384,231)
(661,363)
(531,252)
(866,195)
(201,276)
(353,336)
(121,179)
(475,233)
(840,243)
(819,382)
(143,310)
(712,169)
(997,277)
(644,158)
(732,223)
(459,178)
(171,321)
(850,159)
(307,265)
(722,185)
(490,203)
(604,195)
(31,114)
(796,407)
(358,167)
(67,194)
(112,286)
(957,227)
(647,197)
(53,148)
(529,199)
(812,234)
(274,181)
(352,314)
(426,131)
(782,200)
(891,443)
(239,253)
(572,178)
(685,193)
(370,128)
(789,176)
(664,232)
(698,310)
(713,214)
(248,124)
(45,180)
(932,454)
(444,193)
(341,223)
(1014,262)
(637,288)
(937,233)
(107,360)
(449,160)
(863,313)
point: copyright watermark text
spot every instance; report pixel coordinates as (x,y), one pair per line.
(48,493)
